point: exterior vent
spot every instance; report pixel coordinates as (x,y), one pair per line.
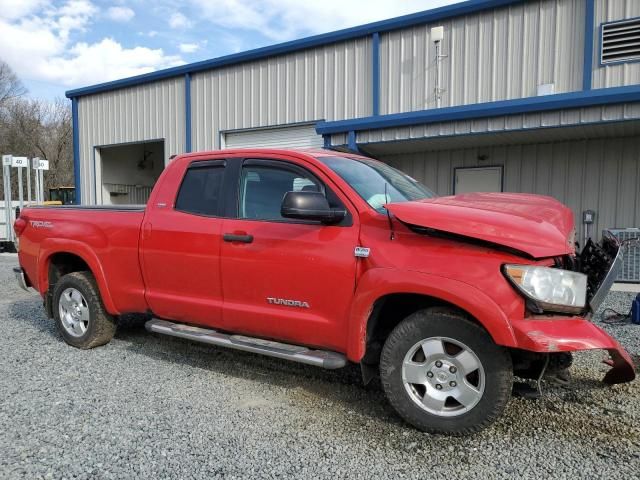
(620,41)
(631,266)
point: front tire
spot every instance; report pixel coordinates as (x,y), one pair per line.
(79,313)
(444,374)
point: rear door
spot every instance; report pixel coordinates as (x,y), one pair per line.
(181,248)
(287,279)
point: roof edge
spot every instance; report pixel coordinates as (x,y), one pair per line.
(558,101)
(427,16)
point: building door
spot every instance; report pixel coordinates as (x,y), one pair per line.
(287,279)
(477,179)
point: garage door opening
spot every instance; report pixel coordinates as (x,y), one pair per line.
(127,173)
(288,136)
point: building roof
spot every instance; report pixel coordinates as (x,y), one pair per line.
(428,16)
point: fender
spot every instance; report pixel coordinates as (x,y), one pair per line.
(51,246)
(378,282)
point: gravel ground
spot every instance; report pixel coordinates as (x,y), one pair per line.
(146,406)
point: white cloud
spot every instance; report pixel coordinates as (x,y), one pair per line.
(287,19)
(178,20)
(45,53)
(120,14)
(107,60)
(189,47)
(11,9)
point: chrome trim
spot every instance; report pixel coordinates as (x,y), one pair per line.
(608,281)
(22,281)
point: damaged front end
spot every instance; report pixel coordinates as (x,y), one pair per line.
(601,263)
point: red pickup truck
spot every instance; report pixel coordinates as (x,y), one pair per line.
(325,258)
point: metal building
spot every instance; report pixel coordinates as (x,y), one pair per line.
(537,96)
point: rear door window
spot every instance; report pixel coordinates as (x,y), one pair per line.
(201,190)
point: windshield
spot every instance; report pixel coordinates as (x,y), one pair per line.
(377,182)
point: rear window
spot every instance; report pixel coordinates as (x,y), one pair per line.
(200,192)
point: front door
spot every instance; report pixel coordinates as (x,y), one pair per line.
(181,249)
(285,279)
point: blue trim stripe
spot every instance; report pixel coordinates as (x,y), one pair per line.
(579,99)
(589,27)
(187,112)
(375,74)
(436,14)
(76,150)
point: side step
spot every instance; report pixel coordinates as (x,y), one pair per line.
(296,353)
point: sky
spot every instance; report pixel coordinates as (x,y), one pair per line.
(54,46)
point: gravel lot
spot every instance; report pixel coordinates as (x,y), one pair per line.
(147,406)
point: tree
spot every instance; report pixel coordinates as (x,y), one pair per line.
(35,128)
(10,85)
(43,129)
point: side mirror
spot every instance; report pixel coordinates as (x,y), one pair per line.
(310,206)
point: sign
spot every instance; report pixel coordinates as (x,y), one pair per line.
(20,162)
(6,160)
(40,164)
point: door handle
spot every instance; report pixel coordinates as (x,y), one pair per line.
(241,238)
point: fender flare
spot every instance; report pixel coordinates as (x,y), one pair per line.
(379,282)
(52,246)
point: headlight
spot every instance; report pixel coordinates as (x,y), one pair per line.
(551,289)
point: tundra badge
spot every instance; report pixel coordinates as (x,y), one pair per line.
(288,303)
(362,252)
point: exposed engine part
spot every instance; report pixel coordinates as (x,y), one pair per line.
(595,261)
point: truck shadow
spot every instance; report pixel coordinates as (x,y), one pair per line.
(343,386)
(354,402)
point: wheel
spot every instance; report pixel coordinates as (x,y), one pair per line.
(444,374)
(80,316)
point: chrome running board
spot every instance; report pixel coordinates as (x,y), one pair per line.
(295,353)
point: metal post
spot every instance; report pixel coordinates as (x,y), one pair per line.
(41,173)
(29,184)
(20,198)
(36,179)
(7,200)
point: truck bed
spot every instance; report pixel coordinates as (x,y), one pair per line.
(105,237)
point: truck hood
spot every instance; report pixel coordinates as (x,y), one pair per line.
(537,225)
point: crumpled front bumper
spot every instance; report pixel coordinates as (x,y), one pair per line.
(568,334)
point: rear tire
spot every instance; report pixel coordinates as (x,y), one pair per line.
(444,374)
(79,313)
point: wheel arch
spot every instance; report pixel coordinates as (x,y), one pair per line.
(385,297)
(58,260)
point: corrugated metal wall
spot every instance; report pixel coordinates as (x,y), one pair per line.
(494,55)
(509,123)
(146,112)
(599,174)
(624,73)
(331,82)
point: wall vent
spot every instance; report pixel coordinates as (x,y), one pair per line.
(620,41)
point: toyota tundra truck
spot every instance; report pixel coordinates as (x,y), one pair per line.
(326,258)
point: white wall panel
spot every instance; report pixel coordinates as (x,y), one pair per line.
(331,82)
(498,54)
